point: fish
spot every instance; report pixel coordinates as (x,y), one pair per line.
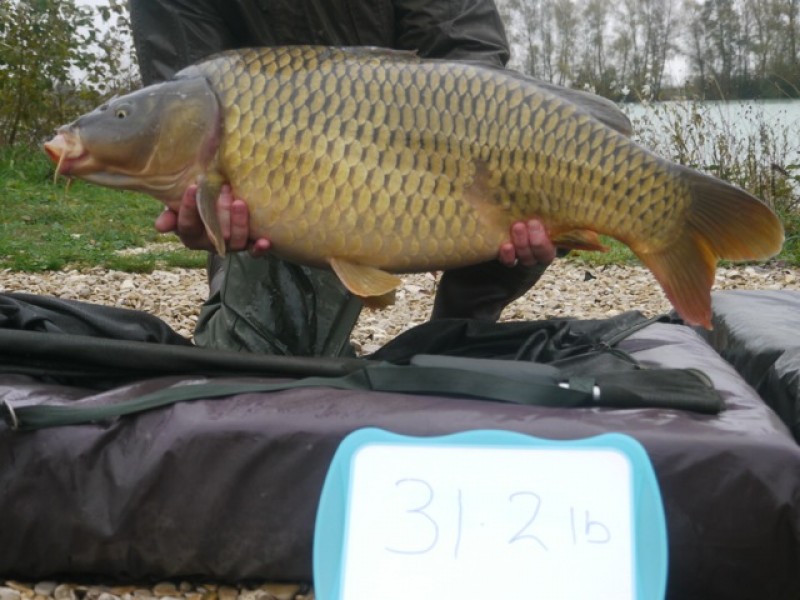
(376,162)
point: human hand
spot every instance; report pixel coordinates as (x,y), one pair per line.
(529,245)
(234,219)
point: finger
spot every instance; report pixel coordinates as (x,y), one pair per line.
(520,240)
(260,247)
(239,225)
(224,203)
(541,249)
(167,221)
(507,256)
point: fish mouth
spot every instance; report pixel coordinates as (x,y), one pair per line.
(69,154)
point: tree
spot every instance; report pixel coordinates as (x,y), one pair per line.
(533,36)
(735,48)
(784,67)
(565,20)
(55,63)
(594,72)
(724,31)
(644,36)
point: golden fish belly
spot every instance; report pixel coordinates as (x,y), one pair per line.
(411,166)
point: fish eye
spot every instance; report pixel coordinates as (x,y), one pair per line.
(121,113)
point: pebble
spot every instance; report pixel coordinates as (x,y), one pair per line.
(165,589)
(45,588)
(65,592)
(23,589)
(282,591)
(256,595)
(227,593)
(7,593)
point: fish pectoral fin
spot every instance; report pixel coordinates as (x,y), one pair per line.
(208,188)
(366,282)
(579,239)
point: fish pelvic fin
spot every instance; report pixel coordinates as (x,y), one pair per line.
(208,189)
(378,302)
(722,221)
(375,286)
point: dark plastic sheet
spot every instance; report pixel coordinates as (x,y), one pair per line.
(759,333)
(228,489)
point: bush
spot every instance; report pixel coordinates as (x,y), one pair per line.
(750,144)
(57,63)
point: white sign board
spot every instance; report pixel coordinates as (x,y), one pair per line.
(444,519)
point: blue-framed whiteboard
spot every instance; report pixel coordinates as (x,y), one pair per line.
(489,514)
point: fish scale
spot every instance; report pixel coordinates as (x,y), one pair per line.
(374,162)
(395,175)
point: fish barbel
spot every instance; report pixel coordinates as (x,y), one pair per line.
(374,162)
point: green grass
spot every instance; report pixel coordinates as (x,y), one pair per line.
(618,254)
(47,226)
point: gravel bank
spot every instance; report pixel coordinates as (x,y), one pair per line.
(15,590)
(566,289)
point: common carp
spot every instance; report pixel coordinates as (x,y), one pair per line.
(374,162)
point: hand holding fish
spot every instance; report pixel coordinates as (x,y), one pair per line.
(529,244)
(232,214)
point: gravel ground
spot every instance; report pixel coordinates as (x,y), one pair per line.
(15,590)
(567,289)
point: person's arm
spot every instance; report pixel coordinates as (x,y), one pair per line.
(171,34)
(454,30)
(482,291)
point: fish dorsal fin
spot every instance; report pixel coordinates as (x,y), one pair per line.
(579,239)
(365,281)
(378,52)
(597,107)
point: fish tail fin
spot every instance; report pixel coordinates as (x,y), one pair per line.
(723,221)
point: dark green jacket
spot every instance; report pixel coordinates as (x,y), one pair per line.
(173,33)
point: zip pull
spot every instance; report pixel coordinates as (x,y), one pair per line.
(582,384)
